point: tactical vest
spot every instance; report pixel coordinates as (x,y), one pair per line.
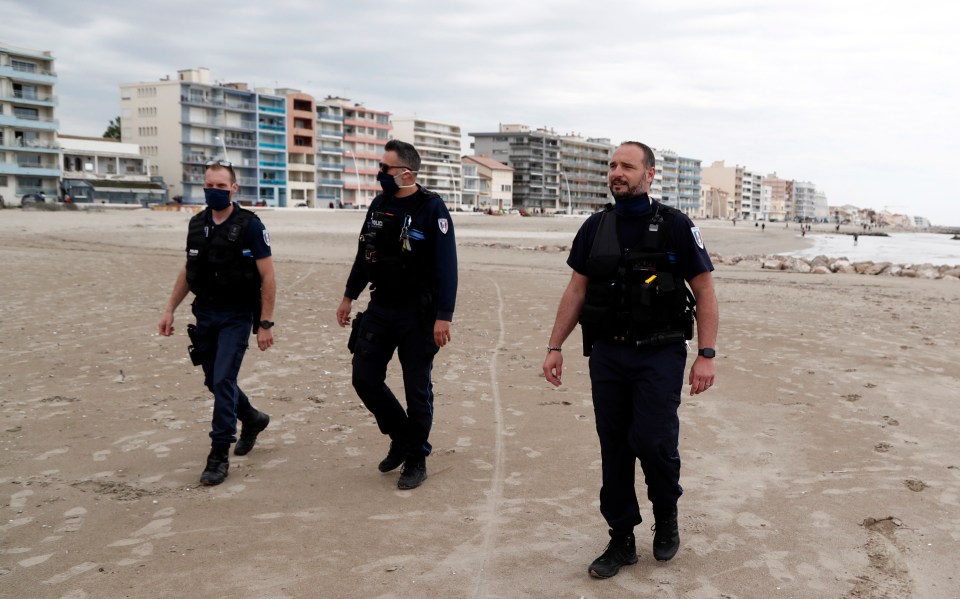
(639,297)
(392,265)
(217,271)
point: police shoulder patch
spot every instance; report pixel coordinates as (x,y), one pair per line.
(697,237)
(443,224)
(266,238)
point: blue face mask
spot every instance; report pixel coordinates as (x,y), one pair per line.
(217,199)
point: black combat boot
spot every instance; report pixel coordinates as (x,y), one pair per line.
(620,551)
(394,458)
(666,533)
(249,432)
(218,464)
(414,472)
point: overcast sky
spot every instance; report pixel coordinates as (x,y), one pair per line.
(860,97)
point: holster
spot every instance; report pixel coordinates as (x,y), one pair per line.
(354,332)
(193,350)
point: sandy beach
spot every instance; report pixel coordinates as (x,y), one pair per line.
(824,462)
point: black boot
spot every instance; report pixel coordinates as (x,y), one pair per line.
(394,458)
(666,535)
(414,472)
(249,432)
(218,464)
(620,551)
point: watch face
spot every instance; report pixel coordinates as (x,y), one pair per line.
(707,353)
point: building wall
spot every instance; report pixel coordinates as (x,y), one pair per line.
(439,146)
(535,159)
(365,132)
(584,163)
(677,182)
(330,158)
(29,151)
(781,197)
(495,183)
(301,149)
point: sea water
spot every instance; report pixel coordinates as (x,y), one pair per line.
(899,248)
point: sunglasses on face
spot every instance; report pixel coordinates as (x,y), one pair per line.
(384,167)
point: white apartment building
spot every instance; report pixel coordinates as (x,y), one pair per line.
(29,151)
(804,201)
(105,171)
(439,145)
(494,183)
(182,123)
(330,157)
(677,182)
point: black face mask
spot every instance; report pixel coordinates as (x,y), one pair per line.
(388,183)
(217,199)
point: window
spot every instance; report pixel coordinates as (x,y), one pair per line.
(23,67)
(506,188)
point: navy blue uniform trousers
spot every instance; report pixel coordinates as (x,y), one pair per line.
(404,328)
(223,336)
(636,394)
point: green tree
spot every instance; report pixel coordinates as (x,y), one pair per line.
(113,129)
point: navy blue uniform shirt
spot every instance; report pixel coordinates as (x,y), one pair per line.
(431,230)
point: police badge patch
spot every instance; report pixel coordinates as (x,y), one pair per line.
(266,238)
(442,223)
(697,237)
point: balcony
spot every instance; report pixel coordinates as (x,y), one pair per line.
(39,146)
(273,109)
(18,73)
(22,122)
(267,127)
(276,182)
(31,98)
(29,169)
(273,164)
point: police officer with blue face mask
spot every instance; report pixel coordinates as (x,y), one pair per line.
(632,264)
(229,269)
(408,255)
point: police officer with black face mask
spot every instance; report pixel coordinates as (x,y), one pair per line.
(408,255)
(229,269)
(631,267)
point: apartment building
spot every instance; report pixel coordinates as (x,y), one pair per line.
(182,123)
(677,182)
(715,202)
(301,148)
(742,185)
(780,206)
(804,201)
(29,151)
(494,183)
(365,132)
(534,156)
(105,171)
(439,145)
(584,163)
(330,157)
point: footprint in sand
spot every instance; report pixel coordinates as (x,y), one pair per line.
(532,453)
(915,484)
(74,520)
(882,447)
(19,499)
(51,453)
(101,456)
(464,442)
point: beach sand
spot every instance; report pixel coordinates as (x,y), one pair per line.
(824,462)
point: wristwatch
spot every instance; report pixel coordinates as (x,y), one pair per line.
(707,352)
(266,324)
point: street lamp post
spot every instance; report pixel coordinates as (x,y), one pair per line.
(223,145)
(569,201)
(356,170)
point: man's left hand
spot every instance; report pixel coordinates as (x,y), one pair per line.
(701,375)
(264,338)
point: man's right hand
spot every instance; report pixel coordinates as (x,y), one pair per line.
(166,324)
(343,312)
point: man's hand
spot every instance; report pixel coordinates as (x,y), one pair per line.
(166,324)
(701,375)
(343,312)
(264,338)
(553,367)
(441,332)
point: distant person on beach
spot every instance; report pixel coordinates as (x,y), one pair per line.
(408,254)
(855,238)
(628,290)
(229,269)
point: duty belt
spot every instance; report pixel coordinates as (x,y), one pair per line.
(654,340)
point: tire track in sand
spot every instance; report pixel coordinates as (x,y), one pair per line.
(495,493)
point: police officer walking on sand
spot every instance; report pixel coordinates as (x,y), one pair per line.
(408,254)
(631,265)
(229,269)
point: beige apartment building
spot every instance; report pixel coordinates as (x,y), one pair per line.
(781,197)
(494,190)
(439,145)
(182,123)
(29,151)
(301,148)
(742,185)
(365,132)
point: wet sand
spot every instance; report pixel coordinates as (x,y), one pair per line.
(823,463)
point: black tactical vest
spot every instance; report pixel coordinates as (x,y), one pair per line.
(393,265)
(217,271)
(638,297)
